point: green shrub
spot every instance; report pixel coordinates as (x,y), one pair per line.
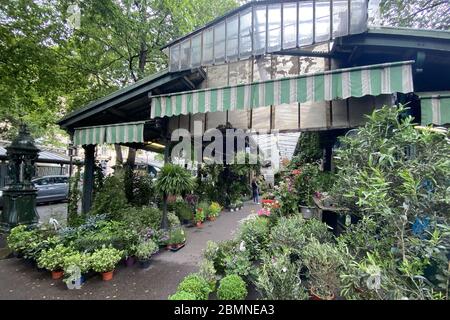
(77,260)
(141,218)
(53,259)
(146,249)
(173,220)
(38,243)
(208,272)
(19,237)
(105,259)
(181,209)
(238,262)
(183,295)
(232,287)
(278,278)
(195,285)
(218,252)
(204,205)
(313,228)
(177,236)
(143,192)
(255,233)
(110,199)
(288,233)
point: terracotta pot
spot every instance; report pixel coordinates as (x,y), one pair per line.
(199,224)
(169,246)
(56,275)
(106,276)
(315,296)
(212,218)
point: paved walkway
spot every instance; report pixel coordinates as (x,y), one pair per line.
(21,281)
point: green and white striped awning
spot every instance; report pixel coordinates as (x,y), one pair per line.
(435,107)
(131,132)
(372,80)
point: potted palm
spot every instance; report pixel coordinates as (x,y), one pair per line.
(172,180)
(144,252)
(53,260)
(104,261)
(323,261)
(199,217)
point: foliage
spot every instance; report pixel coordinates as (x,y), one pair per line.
(145,249)
(431,14)
(53,258)
(19,237)
(204,206)
(214,209)
(177,236)
(39,241)
(142,190)
(307,150)
(174,180)
(397,179)
(313,228)
(199,215)
(105,259)
(111,197)
(306,184)
(74,198)
(232,287)
(278,278)
(208,272)
(174,222)
(141,218)
(218,253)
(182,209)
(288,233)
(195,285)
(237,261)
(182,295)
(323,260)
(76,259)
(255,234)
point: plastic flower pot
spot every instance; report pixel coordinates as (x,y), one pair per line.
(315,296)
(107,276)
(199,224)
(129,261)
(212,218)
(307,212)
(56,275)
(144,264)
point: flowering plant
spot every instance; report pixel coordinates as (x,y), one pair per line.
(214,209)
(199,215)
(264,212)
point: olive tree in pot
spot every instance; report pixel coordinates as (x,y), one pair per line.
(144,252)
(172,180)
(306,184)
(324,262)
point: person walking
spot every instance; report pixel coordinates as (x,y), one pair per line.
(255,191)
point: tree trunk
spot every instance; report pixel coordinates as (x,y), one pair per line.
(165,220)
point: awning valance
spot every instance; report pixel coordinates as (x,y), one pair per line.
(331,85)
(131,132)
(435,107)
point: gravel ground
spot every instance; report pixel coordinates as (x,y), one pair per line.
(19,280)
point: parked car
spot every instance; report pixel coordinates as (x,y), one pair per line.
(50,188)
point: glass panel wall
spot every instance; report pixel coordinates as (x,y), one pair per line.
(219,43)
(245,34)
(208,47)
(232,38)
(259,30)
(196,50)
(274,25)
(289,25)
(305,23)
(322,20)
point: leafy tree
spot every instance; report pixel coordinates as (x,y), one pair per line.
(433,14)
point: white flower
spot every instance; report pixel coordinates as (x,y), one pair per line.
(284,269)
(242,246)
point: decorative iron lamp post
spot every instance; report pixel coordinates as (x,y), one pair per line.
(19,196)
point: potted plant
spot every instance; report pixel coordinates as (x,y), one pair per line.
(104,261)
(214,210)
(323,261)
(53,260)
(75,267)
(144,252)
(172,180)
(306,184)
(177,239)
(199,217)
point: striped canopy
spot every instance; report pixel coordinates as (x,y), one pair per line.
(435,107)
(132,132)
(372,80)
